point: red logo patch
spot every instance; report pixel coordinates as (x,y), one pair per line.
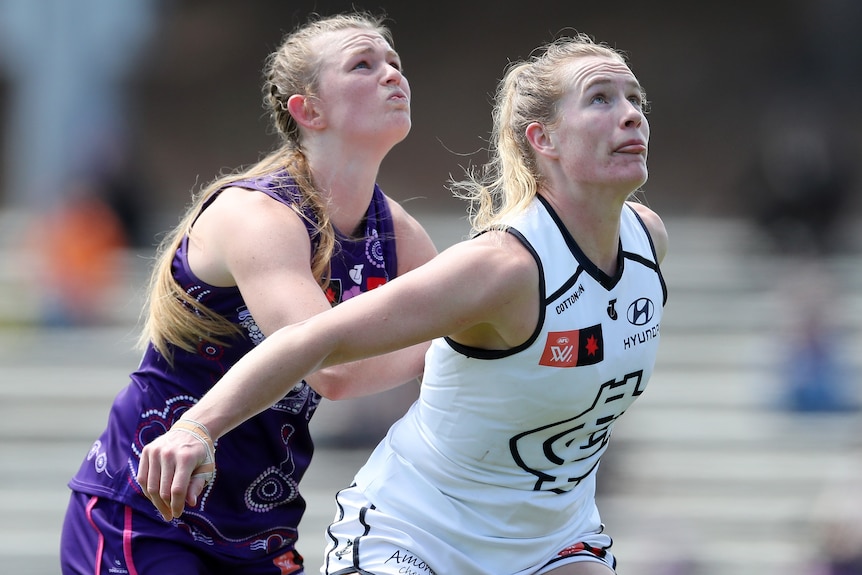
(574,348)
(581,548)
(375,283)
(287,563)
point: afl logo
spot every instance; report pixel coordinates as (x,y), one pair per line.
(641,311)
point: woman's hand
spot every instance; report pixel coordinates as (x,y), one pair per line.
(176,467)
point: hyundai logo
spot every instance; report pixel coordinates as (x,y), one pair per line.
(641,311)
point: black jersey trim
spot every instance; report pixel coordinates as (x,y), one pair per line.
(654,263)
(606,281)
(356,541)
(479,353)
(567,285)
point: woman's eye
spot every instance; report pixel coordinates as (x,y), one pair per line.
(599,99)
(362,64)
(640,102)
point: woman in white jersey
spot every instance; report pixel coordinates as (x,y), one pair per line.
(545,328)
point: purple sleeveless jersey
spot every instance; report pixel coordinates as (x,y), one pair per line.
(253,506)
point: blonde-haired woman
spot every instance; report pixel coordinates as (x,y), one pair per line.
(545,324)
(302,230)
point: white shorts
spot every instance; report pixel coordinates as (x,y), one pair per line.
(364,540)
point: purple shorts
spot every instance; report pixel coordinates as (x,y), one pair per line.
(104,537)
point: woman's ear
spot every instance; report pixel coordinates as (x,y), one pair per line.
(541,140)
(304,112)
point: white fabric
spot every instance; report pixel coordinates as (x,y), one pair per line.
(498,456)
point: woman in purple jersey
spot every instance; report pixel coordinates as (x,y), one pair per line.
(287,238)
(546,327)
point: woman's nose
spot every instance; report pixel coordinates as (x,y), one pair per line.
(393,75)
(633,117)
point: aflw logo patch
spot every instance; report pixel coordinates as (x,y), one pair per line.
(574,348)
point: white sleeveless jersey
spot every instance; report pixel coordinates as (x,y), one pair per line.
(498,455)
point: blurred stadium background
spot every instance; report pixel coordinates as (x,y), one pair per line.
(743,457)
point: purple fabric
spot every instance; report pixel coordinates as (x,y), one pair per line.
(253,507)
(104,537)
